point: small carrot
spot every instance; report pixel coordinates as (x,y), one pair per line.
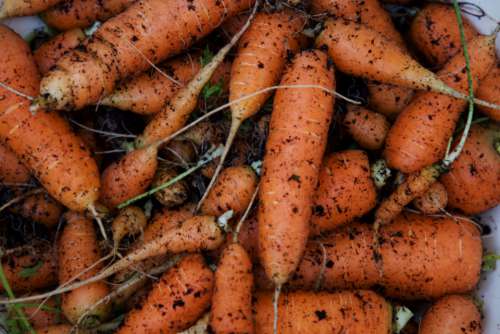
(128,222)
(10,8)
(47,55)
(489,90)
(433,201)
(12,171)
(40,208)
(345,190)
(366,127)
(189,285)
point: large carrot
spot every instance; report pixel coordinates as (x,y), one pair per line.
(11,169)
(70,14)
(78,256)
(295,146)
(420,135)
(345,192)
(489,90)
(43,142)
(176,301)
(10,8)
(314,313)
(127,43)
(474,178)
(404,265)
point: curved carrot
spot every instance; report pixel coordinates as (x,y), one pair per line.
(11,169)
(9,8)
(489,90)
(295,146)
(366,127)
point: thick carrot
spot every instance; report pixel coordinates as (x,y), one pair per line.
(232,191)
(433,201)
(47,55)
(489,90)
(29,272)
(124,44)
(148,92)
(11,169)
(71,14)
(361,51)
(420,135)
(9,8)
(435,33)
(40,208)
(366,127)
(78,255)
(295,146)
(345,192)
(174,195)
(472,183)
(410,250)
(189,286)
(314,313)
(231,310)
(43,142)
(452,314)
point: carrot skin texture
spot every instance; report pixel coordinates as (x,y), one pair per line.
(420,135)
(474,178)
(366,127)
(387,99)
(435,33)
(433,201)
(47,55)
(345,192)
(40,208)
(176,301)
(11,169)
(57,329)
(121,46)
(452,314)
(321,313)
(11,8)
(422,243)
(291,163)
(71,14)
(77,251)
(231,310)
(43,142)
(489,90)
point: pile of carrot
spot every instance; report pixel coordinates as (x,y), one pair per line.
(245,166)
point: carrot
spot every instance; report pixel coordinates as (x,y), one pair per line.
(148,92)
(420,135)
(189,285)
(58,329)
(231,310)
(345,191)
(47,55)
(174,195)
(452,314)
(411,248)
(435,33)
(12,171)
(489,90)
(126,44)
(366,127)
(40,208)
(232,191)
(388,100)
(291,163)
(369,54)
(42,314)
(78,256)
(43,142)
(9,8)
(129,221)
(30,271)
(472,182)
(255,68)
(248,237)
(310,313)
(234,24)
(70,14)
(433,201)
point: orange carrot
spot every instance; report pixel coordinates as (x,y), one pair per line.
(124,44)
(47,55)
(452,314)
(472,183)
(292,162)
(40,208)
(70,14)
(43,315)
(366,127)
(43,142)
(433,201)
(11,169)
(189,285)
(345,192)
(489,90)
(232,191)
(78,256)
(435,33)
(232,300)
(58,329)
(388,99)
(311,313)
(420,135)
(9,8)
(128,222)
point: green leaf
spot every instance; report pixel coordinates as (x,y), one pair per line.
(30,271)
(206,56)
(211,90)
(490,261)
